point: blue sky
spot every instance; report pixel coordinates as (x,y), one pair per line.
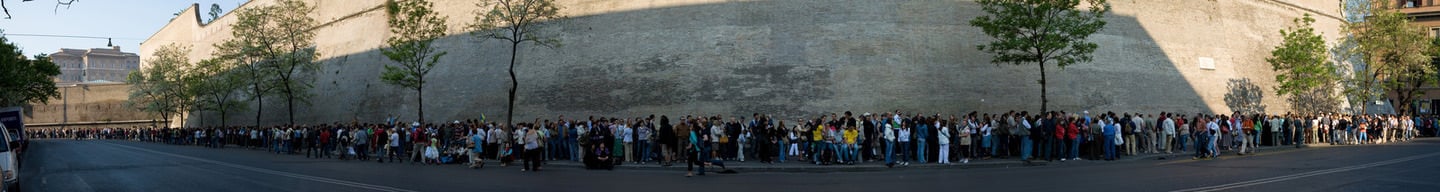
(128,22)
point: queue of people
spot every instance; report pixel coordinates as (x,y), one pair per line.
(894,138)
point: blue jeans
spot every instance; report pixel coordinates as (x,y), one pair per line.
(574,148)
(1075,148)
(1213,149)
(1025,147)
(817,151)
(843,152)
(920,151)
(1181,141)
(904,151)
(1109,147)
(644,146)
(889,152)
(704,157)
(1200,145)
(783,146)
(839,151)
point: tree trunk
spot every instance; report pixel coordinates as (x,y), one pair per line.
(259,96)
(290,101)
(510,111)
(420,96)
(1044,101)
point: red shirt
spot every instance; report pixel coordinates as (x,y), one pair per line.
(1072,132)
(1060,130)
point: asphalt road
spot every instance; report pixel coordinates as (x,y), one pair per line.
(66,165)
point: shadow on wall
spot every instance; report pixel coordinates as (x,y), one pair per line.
(787,58)
(1244,96)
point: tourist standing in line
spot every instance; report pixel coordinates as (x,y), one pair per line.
(903,136)
(944,145)
(1109,142)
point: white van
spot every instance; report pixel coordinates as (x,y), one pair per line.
(9,167)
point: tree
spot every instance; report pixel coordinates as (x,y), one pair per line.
(1040,32)
(216,91)
(414,27)
(24,80)
(58,3)
(516,22)
(1304,68)
(1395,56)
(214,12)
(276,43)
(160,88)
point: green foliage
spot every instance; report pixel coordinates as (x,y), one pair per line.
(415,28)
(214,12)
(162,88)
(1396,53)
(1301,59)
(275,43)
(217,85)
(24,80)
(1040,32)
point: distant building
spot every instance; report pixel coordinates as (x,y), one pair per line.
(1427,15)
(97,64)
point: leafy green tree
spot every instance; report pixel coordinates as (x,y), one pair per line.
(1396,57)
(217,86)
(214,12)
(276,43)
(161,88)
(516,22)
(414,27)
(22,80)
(1304,68)
(1040,32)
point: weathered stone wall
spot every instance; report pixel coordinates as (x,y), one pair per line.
(92,103)
(787,57)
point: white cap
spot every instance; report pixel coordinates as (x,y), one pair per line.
(415,124)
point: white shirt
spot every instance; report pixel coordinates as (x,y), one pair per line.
(1168,126)
(1214,128)
(394,139)
(904,135)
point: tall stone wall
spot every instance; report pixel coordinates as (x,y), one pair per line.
(86,104)
(790,58)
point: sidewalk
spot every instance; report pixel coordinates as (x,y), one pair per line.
(801,166)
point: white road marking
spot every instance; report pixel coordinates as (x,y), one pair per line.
(1306,174)
(273,172)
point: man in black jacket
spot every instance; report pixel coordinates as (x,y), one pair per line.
(1046,136)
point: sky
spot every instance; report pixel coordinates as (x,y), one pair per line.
(127,22)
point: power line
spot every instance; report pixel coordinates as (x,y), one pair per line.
(108,41)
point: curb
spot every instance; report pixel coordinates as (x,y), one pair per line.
(872,167)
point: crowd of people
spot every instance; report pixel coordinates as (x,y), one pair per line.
(895,138)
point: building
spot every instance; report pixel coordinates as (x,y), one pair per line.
(97,64)
(1426,14)
(788,58)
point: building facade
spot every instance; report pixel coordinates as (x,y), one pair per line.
(97,64)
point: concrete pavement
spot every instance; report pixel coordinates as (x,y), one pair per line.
(65,165)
